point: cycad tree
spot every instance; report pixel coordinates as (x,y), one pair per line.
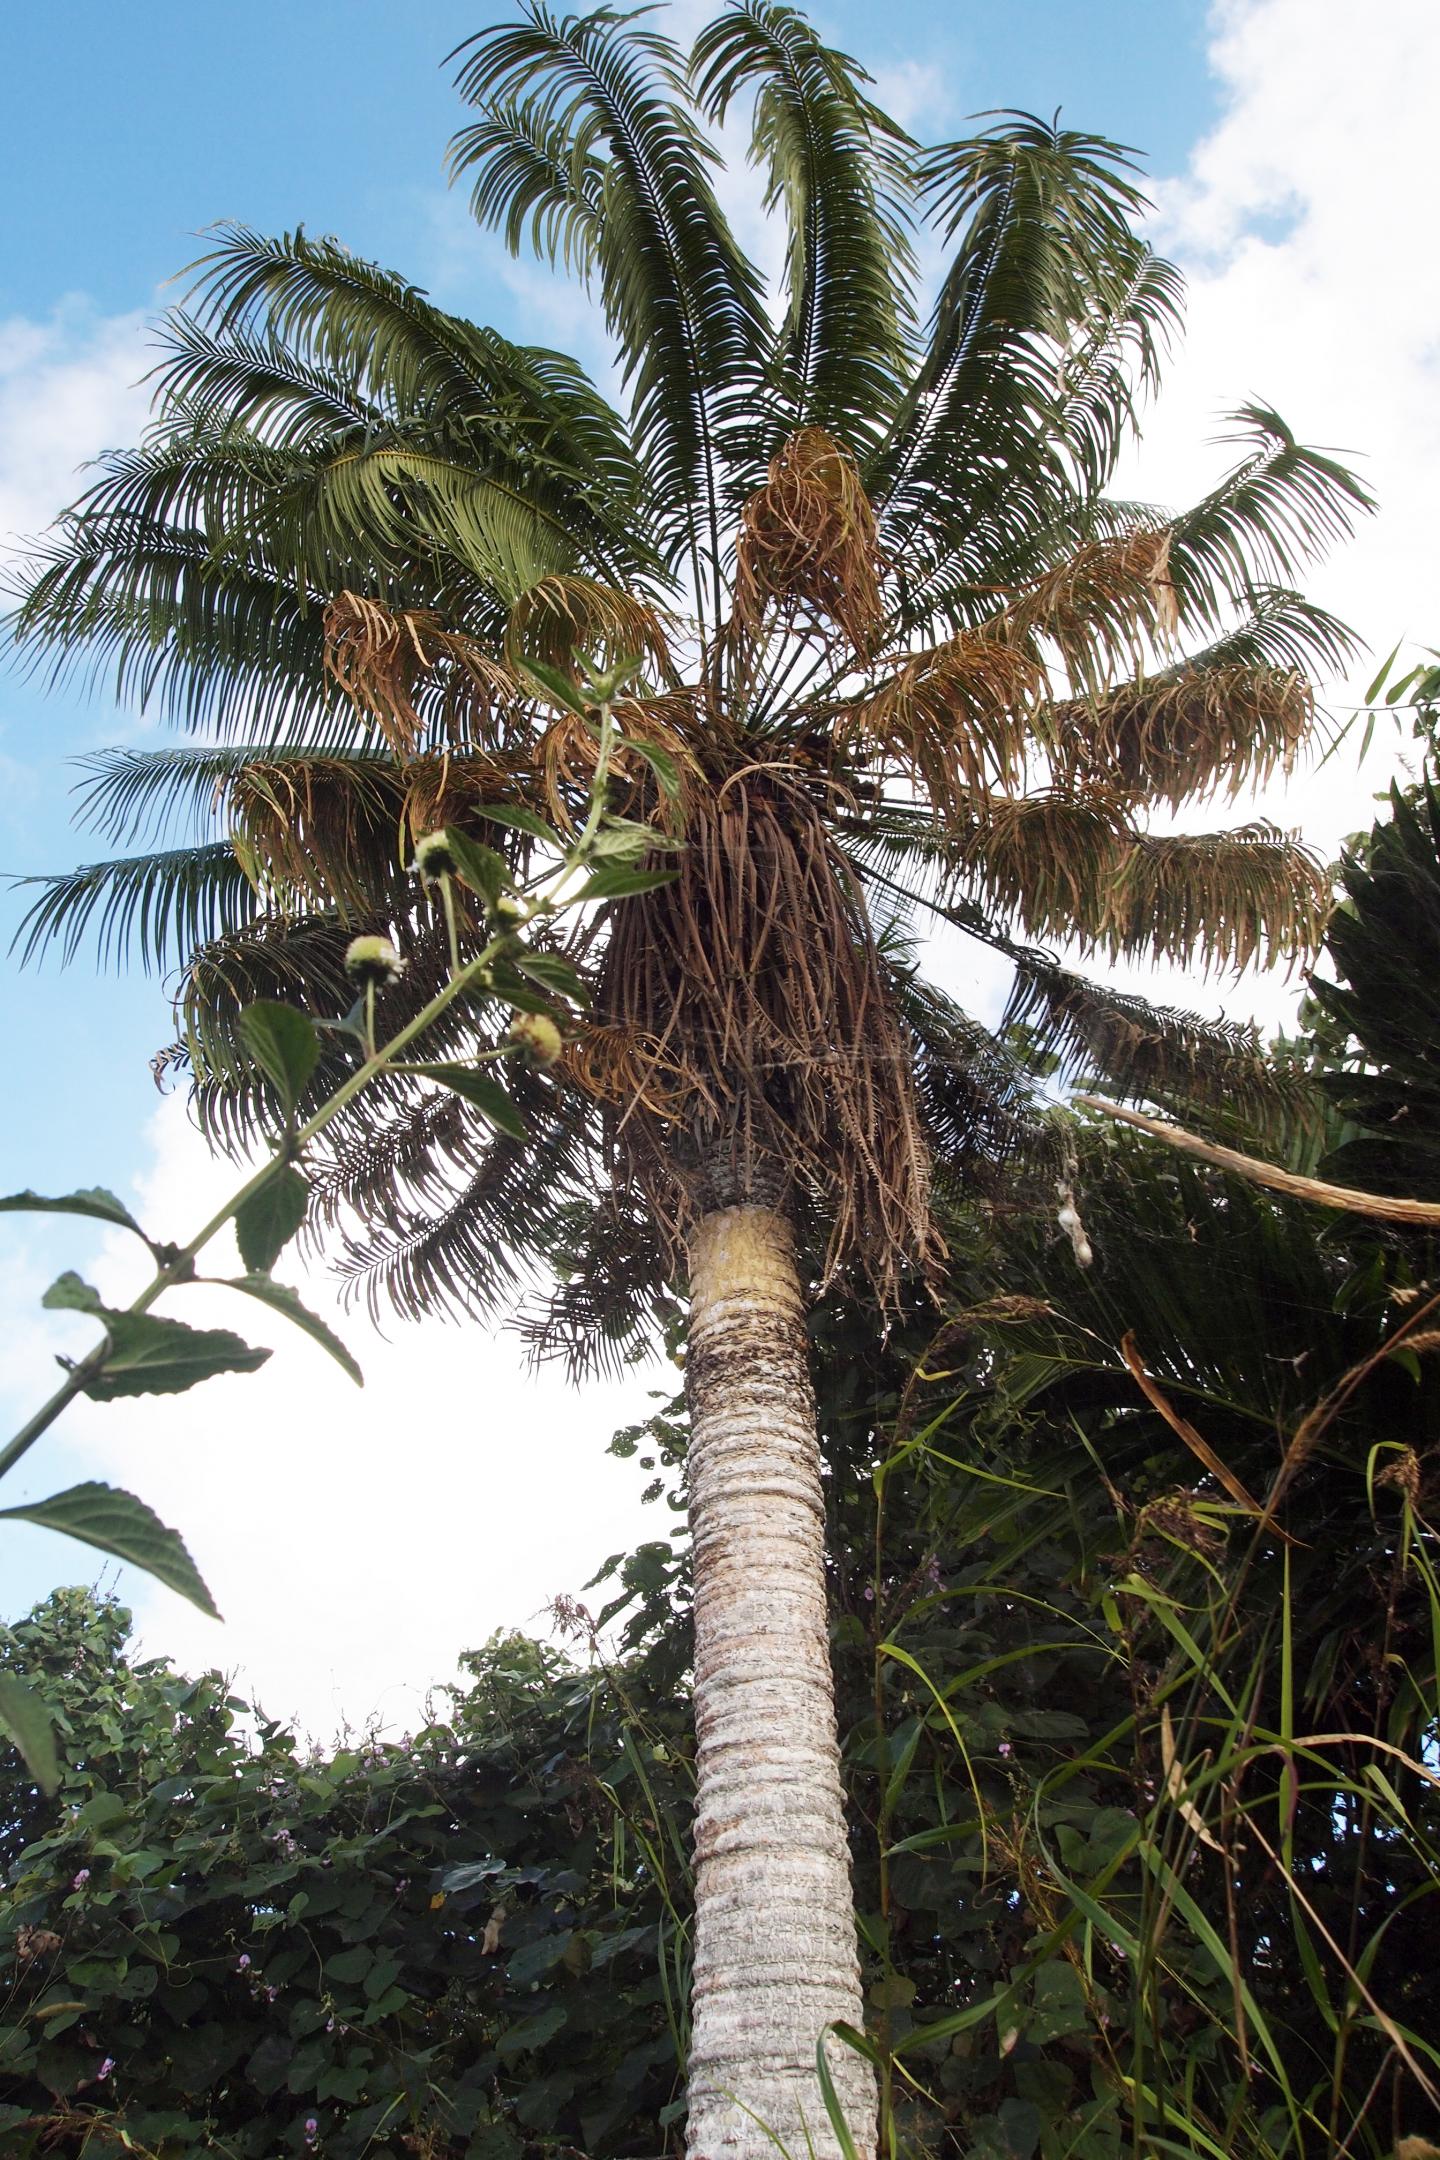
(894,642)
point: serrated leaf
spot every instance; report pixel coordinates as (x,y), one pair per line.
(666,771)
(146,1356)
(270,1217)
(486,1094)
(91,1200)
(617,881)
(507,983)
(557,974)
(557,686)
(522,820)
(69,1294)
(282,1299)
(284,1044)
(482,868)
(29,1724)
(116,1522)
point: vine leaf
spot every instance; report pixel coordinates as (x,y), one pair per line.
(489,1098)
(114,1521)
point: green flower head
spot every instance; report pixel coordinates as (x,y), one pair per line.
(373,962)
(535,1039)
(434,858)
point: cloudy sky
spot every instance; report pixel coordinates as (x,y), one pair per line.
(356,1541)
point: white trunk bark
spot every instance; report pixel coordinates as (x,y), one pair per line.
(775,1951)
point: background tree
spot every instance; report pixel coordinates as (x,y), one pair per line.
(893,637)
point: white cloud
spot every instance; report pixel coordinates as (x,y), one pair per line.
(355,1540)
(1298,225)
(69,388)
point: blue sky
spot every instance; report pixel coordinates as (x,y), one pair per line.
(131,129)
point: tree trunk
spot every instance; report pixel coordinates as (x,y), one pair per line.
(775,1952)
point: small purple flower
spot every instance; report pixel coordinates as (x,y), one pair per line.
(81,1879)
(242,1963)
(312,2129)
(106,2067)
(869,1594)
(402,1885)
(1004,1748)
(330,2024)
(269,1992)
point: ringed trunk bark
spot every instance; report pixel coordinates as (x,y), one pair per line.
(775,1951)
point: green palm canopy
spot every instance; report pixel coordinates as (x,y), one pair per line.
(898,647)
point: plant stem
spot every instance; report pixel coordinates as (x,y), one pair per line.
(179,1267)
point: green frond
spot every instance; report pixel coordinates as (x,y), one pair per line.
(1281,507)
(833,165)
(156,908)
(684,305)
(1049,320)
(1155,1053)
(1383,949)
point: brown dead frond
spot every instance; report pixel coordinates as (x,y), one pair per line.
(808,538)
(1049,859)
(1187,732)
(955,721)
(380,656)
(319,828)
(567,751)
(445,789)
(762,1057)
(562,616)
(1102,606)
(1222,899)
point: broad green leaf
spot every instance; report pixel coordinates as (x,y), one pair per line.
(666,771)
(116,1522)
(283,1042)
(486,1094)
(507,983)
(146,1356)
(616,882)
(557,974)
(482,868)
(270,1217)
(624,840)
(521,819)
(69,1294)
(282,1299)
(558,687)
(29,1724)
(91,1200)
